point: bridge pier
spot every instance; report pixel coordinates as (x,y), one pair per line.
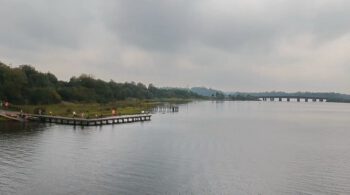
(291,98)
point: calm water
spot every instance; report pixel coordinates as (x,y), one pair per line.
(206,148)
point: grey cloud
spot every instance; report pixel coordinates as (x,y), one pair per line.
(168,25)
(37,24)
(158,25)
(247,45)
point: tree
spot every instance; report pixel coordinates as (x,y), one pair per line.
(25,85)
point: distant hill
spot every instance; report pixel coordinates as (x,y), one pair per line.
(203,91)
(208,92)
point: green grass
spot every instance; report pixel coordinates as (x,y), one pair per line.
(3,119)
(92,110)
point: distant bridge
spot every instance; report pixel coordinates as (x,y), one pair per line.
(291,98)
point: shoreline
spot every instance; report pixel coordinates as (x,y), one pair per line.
(97,110)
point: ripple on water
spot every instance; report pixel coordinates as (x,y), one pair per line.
(206,148)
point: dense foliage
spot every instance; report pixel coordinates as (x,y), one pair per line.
(242,97)
(25,85)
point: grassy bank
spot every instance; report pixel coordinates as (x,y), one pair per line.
(93,110)
(3,119)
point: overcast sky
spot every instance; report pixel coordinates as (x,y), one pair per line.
(233,45)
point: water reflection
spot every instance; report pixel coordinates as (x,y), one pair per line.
(17,153)
(205,148)
(12,127)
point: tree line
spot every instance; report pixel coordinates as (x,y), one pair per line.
(25,85)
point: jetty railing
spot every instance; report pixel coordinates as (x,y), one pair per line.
(91,122)
(165,108)
(22,117)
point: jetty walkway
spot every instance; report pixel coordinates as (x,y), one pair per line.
(23,117)
(11,115)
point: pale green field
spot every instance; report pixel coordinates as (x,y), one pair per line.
(93,110)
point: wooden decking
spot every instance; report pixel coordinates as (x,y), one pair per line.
(166,108)
(75,121)
(92,122)
(11,115)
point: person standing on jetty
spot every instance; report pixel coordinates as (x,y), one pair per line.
(6,104)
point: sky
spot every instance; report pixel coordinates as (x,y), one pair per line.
(232,45)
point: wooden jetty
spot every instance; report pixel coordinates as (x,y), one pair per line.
(76,121)
(15,116)
(94,121)
(166,108)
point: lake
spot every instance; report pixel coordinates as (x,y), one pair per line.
(205,148)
